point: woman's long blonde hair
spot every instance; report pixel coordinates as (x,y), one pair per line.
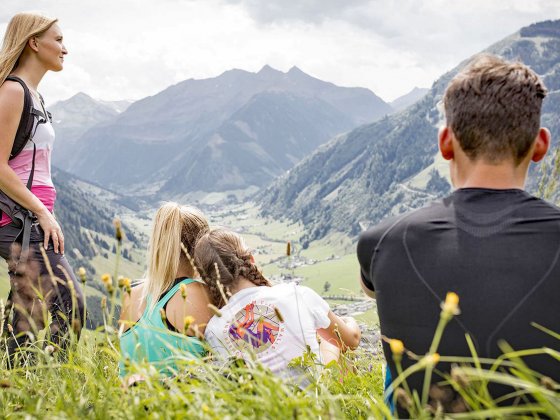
(174,225)
(21,28)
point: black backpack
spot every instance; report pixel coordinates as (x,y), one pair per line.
(27,125)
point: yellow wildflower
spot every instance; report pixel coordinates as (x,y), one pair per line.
(124,282)
(450,307)
(188,322)
(397,347)
(430,359)
(106,279)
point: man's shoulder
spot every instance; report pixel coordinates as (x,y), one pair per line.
(397,223)
(544,206)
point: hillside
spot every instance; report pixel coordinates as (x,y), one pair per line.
(232,131)
(391,166)
(86,215)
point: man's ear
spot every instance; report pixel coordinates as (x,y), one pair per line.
(445,142)
(542,143)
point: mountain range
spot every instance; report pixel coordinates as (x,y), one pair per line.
(408,99)
(392,165)
(234,131)
(73,117)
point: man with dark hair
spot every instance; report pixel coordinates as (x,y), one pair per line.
(490,242)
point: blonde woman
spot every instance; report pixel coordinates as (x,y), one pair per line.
(164,316)
(274,323)
(32,46)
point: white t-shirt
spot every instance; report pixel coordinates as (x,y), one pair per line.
(250,325)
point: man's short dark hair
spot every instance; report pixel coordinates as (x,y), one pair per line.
(494,108)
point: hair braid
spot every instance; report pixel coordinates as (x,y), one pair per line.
(250,271)
(222,259)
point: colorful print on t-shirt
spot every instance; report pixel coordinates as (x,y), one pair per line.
(255,327)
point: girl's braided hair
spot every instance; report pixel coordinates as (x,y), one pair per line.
(222,258)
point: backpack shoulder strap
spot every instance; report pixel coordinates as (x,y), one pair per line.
(26,121)
(47,114)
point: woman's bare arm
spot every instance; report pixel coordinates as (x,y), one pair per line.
(195,304)
(132,307)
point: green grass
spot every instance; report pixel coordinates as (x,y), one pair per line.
(87,386)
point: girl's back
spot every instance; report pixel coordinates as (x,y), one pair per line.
(154,339)
(277,324)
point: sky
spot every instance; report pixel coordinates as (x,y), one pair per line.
(130,49)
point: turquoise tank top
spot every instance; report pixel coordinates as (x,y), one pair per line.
(150,340)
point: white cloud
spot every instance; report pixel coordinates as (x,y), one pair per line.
(129,49)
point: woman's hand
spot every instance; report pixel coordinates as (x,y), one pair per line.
(52,230)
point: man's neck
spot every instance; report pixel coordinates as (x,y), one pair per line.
(480,174)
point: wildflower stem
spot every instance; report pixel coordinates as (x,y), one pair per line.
(443,320)
(116,276)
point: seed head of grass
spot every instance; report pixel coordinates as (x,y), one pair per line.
(215,310)
(82,274)
(118,229)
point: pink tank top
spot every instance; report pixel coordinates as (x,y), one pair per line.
(42,186)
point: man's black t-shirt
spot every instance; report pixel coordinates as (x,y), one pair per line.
(497,249)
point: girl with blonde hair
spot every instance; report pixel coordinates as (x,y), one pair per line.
(165,315)
(32,46)
(274,323)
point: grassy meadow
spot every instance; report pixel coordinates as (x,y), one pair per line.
(85,383)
